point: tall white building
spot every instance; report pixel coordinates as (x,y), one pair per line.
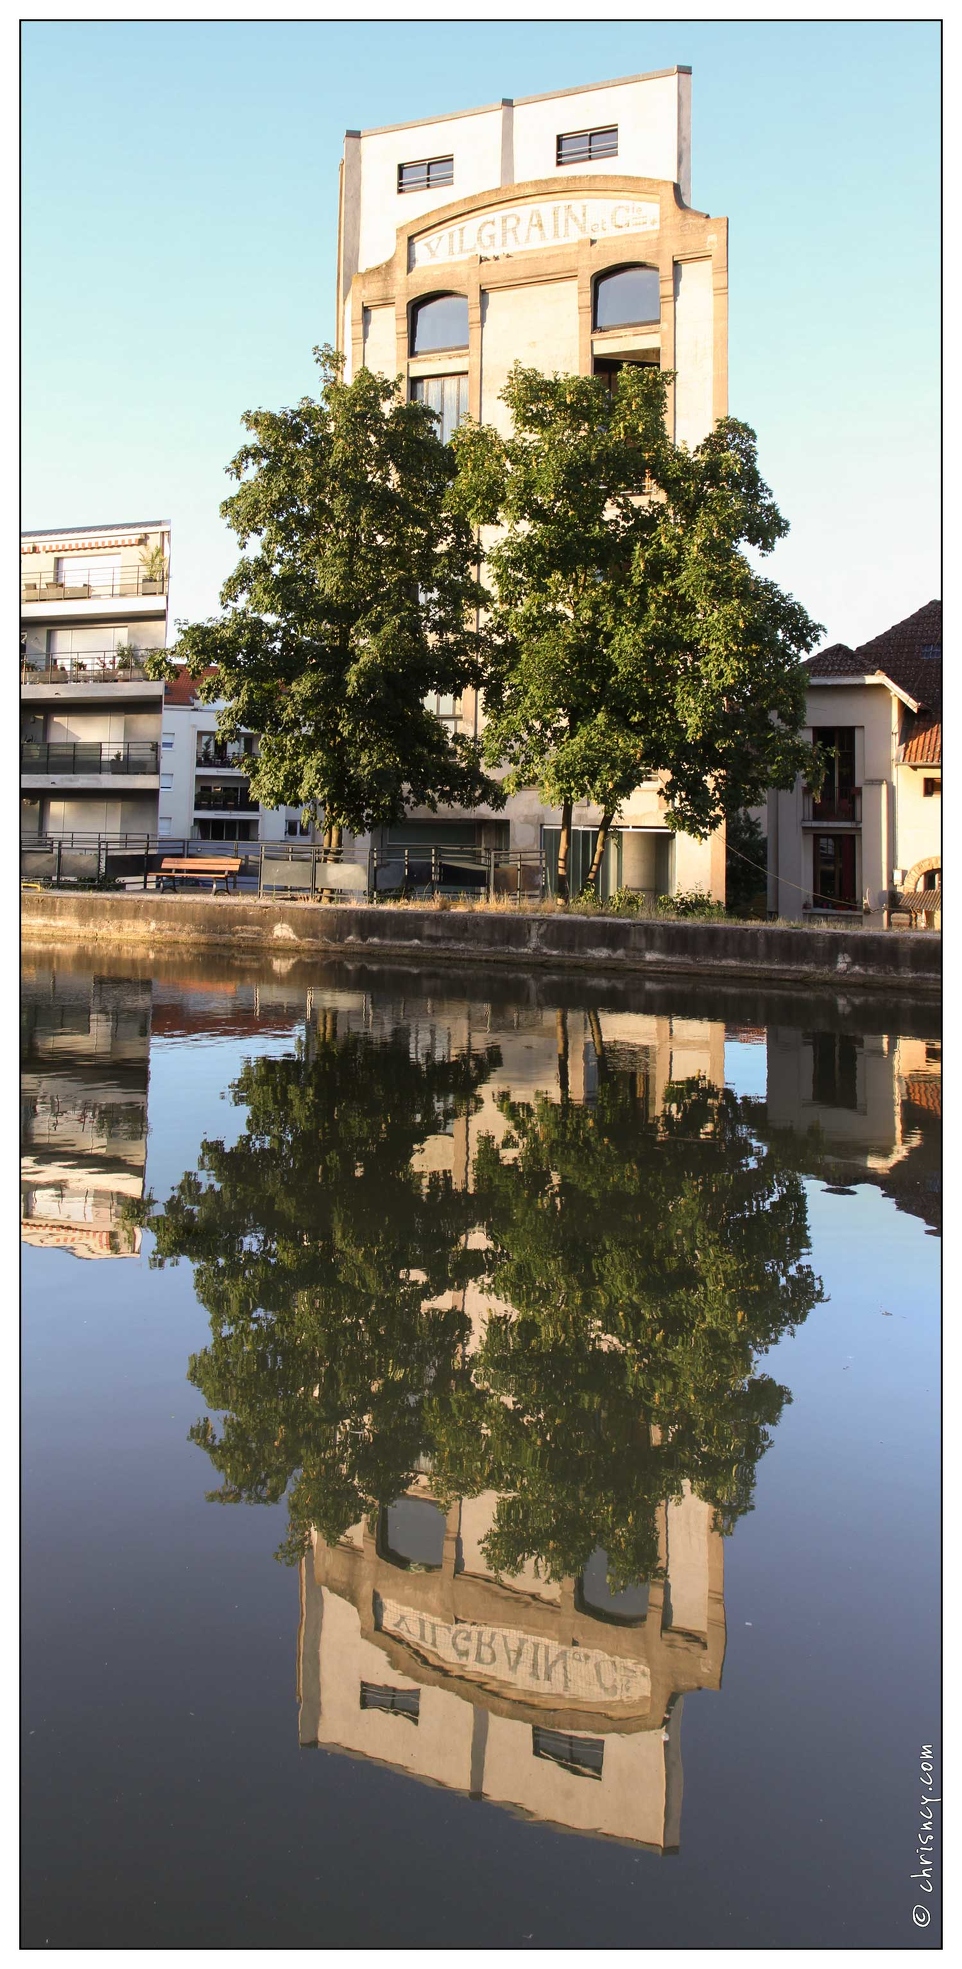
(557,231)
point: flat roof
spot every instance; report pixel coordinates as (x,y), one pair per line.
(96,526)
(518,102)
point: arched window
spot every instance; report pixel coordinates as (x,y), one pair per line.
(626,297)
(412,1533)
(441,323)
(627,1608)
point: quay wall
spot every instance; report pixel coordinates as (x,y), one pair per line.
(893,959)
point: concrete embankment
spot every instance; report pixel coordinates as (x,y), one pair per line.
(870,959)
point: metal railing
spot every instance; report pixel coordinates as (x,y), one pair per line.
(132,859)
(228,755)
(298,869)
(293,868)
(842,809)
(413,871)
(87,667)
(106,587)
(136,756)
(229,800)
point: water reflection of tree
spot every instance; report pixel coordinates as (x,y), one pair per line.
(636,1269)
(646,1265)
(318,1251)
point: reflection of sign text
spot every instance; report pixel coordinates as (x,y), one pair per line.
(522,228)
(527,1663)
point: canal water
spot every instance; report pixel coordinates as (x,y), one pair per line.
(480,1460)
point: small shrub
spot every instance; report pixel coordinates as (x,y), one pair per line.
(692,903)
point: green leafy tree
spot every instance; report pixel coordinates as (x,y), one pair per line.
(746,850)
(639,1267)
(355,599)
(631,637)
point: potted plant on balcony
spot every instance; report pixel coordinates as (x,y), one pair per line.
(154,566)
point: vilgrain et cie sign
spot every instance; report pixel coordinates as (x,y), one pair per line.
(534,224)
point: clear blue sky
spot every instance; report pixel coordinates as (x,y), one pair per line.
(180,204)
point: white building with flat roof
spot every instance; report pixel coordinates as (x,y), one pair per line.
(557,231)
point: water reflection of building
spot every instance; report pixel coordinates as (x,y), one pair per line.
(869,1107)
(84,1110)
(557,1699)
(542,1049)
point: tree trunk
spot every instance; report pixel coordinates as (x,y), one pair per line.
(564,851)
(561,1031)
(597,1041)
(600,846)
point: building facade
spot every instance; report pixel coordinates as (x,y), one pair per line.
(558,1698)
(84,1064)
(556,231)
(93,603)
(205,779)
(870,839)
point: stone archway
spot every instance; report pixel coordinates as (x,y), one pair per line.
(913,879)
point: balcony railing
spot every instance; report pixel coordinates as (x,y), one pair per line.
(137,756)
(839,809)
(87,667)
(230,755)
(100,588)
(234,799)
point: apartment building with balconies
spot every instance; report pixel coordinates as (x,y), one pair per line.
(93,604)
(205,792)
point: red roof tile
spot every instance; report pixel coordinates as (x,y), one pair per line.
(182,689)
(921,741)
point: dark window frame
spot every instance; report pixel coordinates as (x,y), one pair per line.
(930,787)
(415,311)
(604,278)
(437,171)
(582,1757)
(390,1701)
(587,145)
(419,394)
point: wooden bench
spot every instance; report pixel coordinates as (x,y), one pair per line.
(215,868)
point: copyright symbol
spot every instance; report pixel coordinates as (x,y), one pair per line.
(921,1917)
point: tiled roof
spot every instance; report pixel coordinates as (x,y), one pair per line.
(921,902)
(924,1090)
(921,741)
(909,655)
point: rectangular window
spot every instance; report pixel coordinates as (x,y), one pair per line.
(425,174)
(836,747)
(167,741)
(582,1756)
(396,1702)
(82,575)
(163,824)
(833,873)
(930,788)
(448,396)
(166,782)
(224,830)
(443,704)
(834,1069)
(583,146)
